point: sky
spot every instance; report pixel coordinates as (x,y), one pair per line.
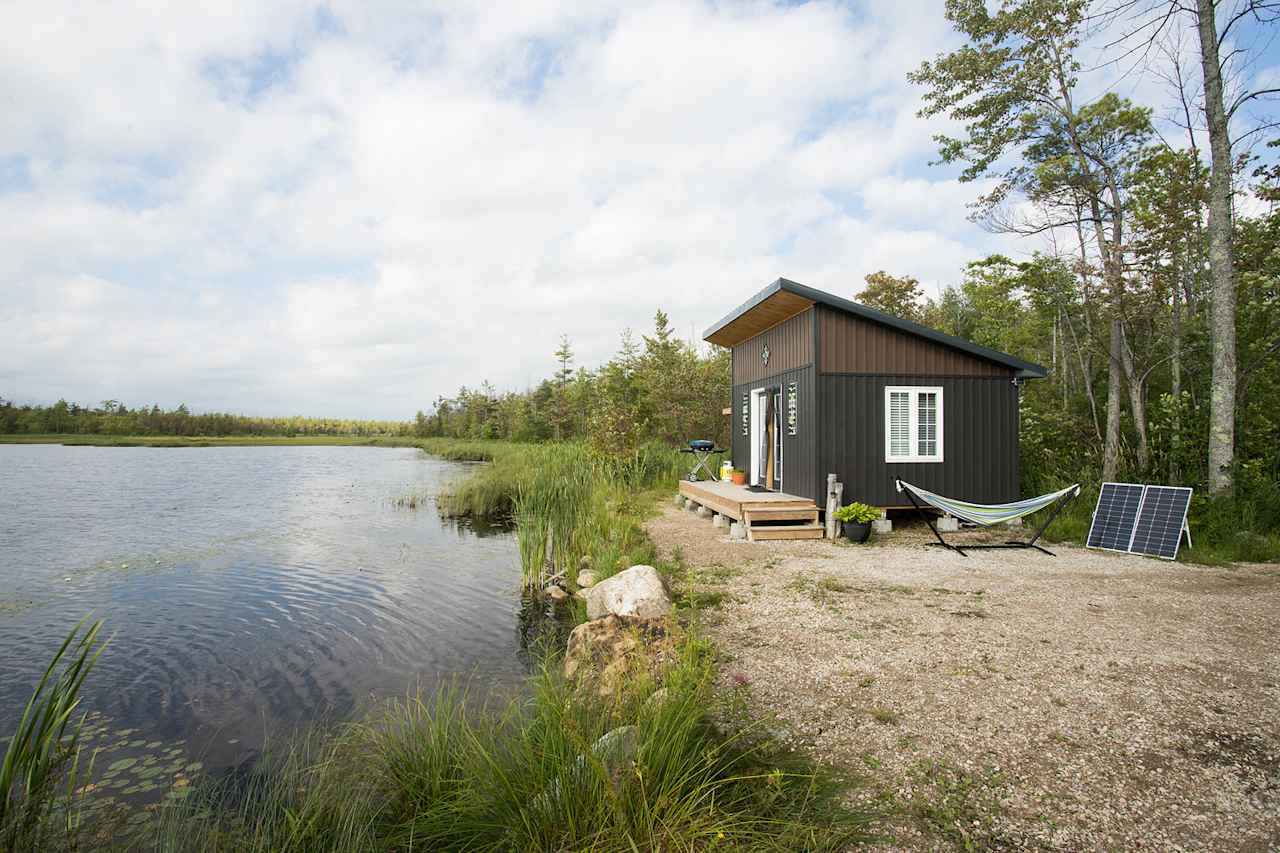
(351,208)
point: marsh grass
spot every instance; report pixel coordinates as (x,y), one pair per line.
(566,502)
(41,764)
(446,773)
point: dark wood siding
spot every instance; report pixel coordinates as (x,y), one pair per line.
(790,347)
(800,472)
(851,344)
(980,439)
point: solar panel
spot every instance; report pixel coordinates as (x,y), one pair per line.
(1163,516)
(1115,516)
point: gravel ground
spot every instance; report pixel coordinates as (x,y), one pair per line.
(1011,700)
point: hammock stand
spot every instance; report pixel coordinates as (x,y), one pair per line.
(988,514)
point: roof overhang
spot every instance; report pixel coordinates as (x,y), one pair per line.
(784,299)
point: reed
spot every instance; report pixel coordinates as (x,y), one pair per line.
(42,761)
(566,502)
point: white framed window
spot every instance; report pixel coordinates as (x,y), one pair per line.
(912,423)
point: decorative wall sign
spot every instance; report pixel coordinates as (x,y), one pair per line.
(746,414)
(764,355)
(792,418)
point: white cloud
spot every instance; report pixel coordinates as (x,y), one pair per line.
(350,209)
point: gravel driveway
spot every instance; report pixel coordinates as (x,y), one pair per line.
(1011,700)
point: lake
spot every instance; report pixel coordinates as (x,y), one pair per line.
(246,589)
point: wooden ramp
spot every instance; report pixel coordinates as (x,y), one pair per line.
(765,515)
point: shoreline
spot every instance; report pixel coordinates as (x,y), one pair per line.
(95,440)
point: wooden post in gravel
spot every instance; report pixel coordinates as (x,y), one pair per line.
(835,492)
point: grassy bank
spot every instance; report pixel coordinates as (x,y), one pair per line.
(569,505)
(542,772)
(209,441)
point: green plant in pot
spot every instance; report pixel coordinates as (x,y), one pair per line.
(855,521)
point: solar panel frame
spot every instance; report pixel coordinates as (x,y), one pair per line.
(1116,531)
(1161,506)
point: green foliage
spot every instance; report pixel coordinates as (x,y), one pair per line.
(42,761)
(859,513)
(899,296)
(580,503)
(112,418)
(662,389)
(446,773)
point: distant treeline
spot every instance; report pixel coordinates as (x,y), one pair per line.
(115,418)
(658,389)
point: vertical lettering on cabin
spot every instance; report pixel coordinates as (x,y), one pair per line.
(792,418)
(746,414)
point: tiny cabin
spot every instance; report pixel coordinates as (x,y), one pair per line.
(823,385)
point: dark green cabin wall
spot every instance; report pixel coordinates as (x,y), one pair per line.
(980,438)
(799,452)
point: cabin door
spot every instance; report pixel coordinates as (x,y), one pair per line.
(766,438)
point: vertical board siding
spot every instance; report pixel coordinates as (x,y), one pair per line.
(851,344)
(790,347)
(800,471)
(979,434)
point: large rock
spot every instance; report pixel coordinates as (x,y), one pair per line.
(638,591)
(606,655)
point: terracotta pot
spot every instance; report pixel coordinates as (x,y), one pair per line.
(739,478)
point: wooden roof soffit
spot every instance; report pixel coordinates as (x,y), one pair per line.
(773,309)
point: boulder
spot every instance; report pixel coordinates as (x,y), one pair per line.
(616,751)
(606,655)
(638,591)
(587,578)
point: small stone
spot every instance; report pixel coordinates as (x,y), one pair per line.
(555,593)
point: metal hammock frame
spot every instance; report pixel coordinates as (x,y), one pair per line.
(1014,510)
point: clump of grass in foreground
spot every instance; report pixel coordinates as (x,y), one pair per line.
(441,774)
(586,505)
(41,764)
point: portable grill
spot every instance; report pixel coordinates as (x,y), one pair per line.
(702,451)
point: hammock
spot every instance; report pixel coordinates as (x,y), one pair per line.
(988,514)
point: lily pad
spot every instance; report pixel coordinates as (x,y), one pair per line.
(121,764)
(195,767)
(179,793)
(155,744)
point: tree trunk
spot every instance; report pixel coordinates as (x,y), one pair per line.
(1137,405)
(1222,312)
(1175,376)
(1115,378)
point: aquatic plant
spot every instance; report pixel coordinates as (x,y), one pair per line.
(42,761)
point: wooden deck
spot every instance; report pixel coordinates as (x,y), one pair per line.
(765,515)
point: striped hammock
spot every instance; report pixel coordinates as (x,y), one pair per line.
(986,514)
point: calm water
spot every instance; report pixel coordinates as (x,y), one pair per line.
(248,589)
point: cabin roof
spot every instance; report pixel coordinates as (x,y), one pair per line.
(784,298)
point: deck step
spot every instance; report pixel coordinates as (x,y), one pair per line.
(809,513)
(789,531)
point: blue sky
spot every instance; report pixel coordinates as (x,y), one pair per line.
(350,208)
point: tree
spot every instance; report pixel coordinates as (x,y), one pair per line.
(1012,87)
(563,416)
(897,295)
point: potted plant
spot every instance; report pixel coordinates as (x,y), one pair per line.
(739,477)
(855,521)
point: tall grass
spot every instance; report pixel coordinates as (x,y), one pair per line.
(532,774)
(567,503)
(41,763)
